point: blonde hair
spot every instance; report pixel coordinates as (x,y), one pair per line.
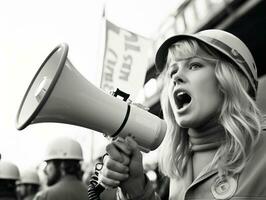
(239,116)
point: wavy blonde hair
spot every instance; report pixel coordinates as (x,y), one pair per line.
(239,116)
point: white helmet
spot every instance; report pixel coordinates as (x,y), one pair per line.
(8,171)
(29,177)
(225,43)
(63,148)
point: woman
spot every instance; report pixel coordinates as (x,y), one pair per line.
(214,145)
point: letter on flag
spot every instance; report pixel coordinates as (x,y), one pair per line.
(126,60)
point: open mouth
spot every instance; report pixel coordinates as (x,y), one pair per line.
(182,98)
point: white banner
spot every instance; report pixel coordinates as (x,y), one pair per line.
(126,59)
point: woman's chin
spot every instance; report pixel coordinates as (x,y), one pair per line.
(183,123)
(187,123)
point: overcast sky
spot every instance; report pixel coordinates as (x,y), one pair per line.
(30,29)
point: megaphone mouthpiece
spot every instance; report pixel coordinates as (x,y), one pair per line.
(42,89)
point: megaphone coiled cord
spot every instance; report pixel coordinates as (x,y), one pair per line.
(95,188)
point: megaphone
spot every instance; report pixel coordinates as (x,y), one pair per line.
(59,93)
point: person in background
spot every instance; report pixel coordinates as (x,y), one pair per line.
(28,184)
(159,181)
(63,171)
(214,147)
(9,174)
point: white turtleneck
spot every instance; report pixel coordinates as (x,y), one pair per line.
(204,143)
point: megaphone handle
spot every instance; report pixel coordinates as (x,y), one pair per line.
(121,94)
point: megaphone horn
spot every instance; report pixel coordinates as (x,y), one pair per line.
(59,93)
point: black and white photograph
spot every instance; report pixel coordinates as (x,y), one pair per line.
(132,100)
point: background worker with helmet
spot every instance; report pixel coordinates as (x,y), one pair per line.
(63,171)
(214,147)
(28,184)
(9,174)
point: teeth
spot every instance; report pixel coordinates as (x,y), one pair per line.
(182,99)
(180,93)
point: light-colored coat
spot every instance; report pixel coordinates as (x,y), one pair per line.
(250,184)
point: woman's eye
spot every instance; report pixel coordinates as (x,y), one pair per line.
(172,72)
(193,66)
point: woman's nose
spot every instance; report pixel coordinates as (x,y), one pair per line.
(178,77)
(178,80)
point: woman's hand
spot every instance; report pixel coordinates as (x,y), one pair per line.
(123,166)
(115,164)
(134,185)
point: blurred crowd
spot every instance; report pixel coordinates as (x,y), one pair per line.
(62,175)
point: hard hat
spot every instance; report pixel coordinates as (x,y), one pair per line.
(225,43)
(8,171)
(63,148)
(29,177)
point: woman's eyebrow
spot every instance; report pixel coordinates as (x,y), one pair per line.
(178,60)
(199,59)
(206,58)
(172,63)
